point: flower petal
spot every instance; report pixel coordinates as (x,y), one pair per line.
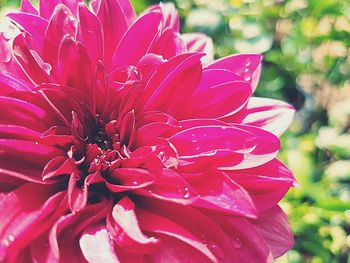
(247,66)
(271,115)
(274,227)
(139,39)
(123,225)
(199,42)
(96,245)
(27,7)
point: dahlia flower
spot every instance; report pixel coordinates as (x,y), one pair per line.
(121,140)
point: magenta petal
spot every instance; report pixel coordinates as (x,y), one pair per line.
(266,184)
(138,38)
(247,244)
(128,11)
(175,79)
(271,115)
(24,215)
(9,83)
(273,226)
(217,101)
(61,23)
(34,25)
(247,66)
(170,186)
(168,45)
(199,42)
(97,246)
(124,179)
(124,227)
(217,192)
(90,33)
(32,64)
(27,7)
(47,7)
(114,25)
(157,224)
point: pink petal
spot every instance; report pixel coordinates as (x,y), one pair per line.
(266,184)
(18,132)
(171,18)
(128,11)
(74,66)
(26,216)
(124,227)
(90,33)
(34,25)
(168,45)
(157,224)
(274,227)
(31,63)
(198,224)
(47,7)
(62,23)
(139,39)
(175,79)
(124,179)
(96,245)
(169,186)
(217,101)
(247,66)
(10,83)
(271,115)
(199,42)
(27,7)
(114,25)
(246,242)
(217,192)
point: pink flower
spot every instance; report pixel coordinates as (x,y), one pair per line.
(120,143)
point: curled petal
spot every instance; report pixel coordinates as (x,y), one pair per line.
(96,245)
(124,227)
(199,42)
(247,66)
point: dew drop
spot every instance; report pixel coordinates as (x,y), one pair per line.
(135,182)
(248,63)
(187,194)
(236,242)
(246,70)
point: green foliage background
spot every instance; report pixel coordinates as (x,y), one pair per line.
(306,47)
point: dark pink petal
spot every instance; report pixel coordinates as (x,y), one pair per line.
(199,42)
(154,223)
(124,179)
(61,23)
(25,216)
(18,132)
(219,193)
(32,64)
(139,39)
(27,7)
(207,139)
(171,18)
(114,25)
(57,167)
(247,66)
(217,101)
(47,7)
(266,184)
(128,11)
(123,226)
(34,25)
(271,115)
(214,77)
(19,112)
(207,231)
(77,196)
(90,33)
(97,246)
(169,186)
(274,227)
(9,83)
(63,237)
(127,129)
(74,66)
(264,151)
(247,244)
(168,45)
(176,79)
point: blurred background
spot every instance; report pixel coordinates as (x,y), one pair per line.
(306,47)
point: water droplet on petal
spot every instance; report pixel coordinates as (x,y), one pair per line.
(236,242)
(248,63)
